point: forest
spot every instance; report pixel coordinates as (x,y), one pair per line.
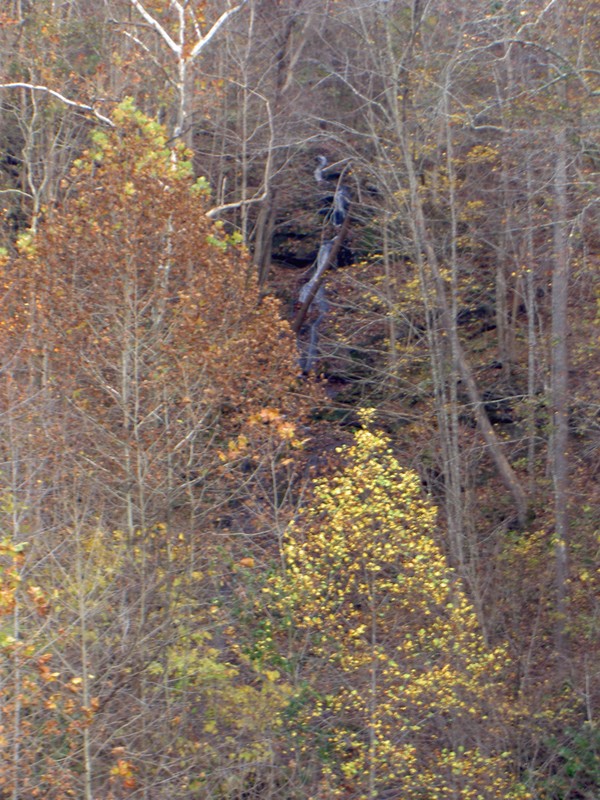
(299,399)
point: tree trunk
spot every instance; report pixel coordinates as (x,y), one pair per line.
(559,387)
(423,244)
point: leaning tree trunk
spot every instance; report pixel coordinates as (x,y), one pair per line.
(423,245)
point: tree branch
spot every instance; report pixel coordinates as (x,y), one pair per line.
(73,103)
(267,174)
(201,43)
(16,191)
(171,44)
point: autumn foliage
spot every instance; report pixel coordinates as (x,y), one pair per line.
(218,579)
(128,311)
(405,696)
(42,711)
(135,447)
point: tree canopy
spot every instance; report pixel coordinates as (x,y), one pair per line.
(226,230)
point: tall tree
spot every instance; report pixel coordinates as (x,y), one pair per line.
(403,688)
(124,316)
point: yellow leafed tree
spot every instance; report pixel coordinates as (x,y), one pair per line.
(405,695)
